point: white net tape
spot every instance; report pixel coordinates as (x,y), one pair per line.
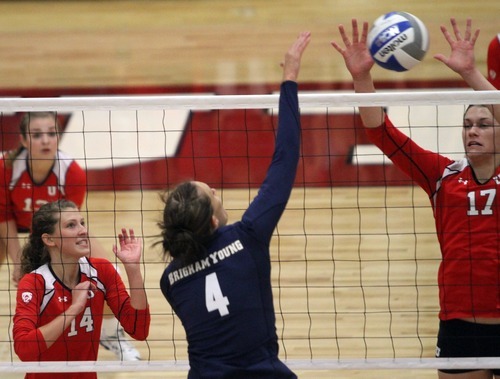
(325,100)
(296,364)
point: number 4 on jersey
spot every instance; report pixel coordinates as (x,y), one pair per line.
(214,298)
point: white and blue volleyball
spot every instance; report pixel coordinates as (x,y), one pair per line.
(398,41)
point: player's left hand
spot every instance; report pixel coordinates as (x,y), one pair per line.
(355,52)
(461,58)
(130,247)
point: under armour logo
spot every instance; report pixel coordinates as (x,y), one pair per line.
(27,296)
(463,181)
(497,179)
(63,299)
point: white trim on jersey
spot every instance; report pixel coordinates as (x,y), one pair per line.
(49,279)
(60,169)
(89,270)
(452,169)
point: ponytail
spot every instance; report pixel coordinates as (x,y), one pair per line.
(187,223)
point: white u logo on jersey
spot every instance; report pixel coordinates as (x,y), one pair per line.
(52,190)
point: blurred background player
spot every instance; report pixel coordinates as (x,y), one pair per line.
(31,175)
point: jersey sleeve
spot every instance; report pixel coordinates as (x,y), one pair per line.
(423,166)
(134,321)
(6,213)
(29,343)
(266,209)
(493,61)
(76,184)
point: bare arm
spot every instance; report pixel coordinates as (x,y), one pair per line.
(359,63)
(462,58)
(129,254)
(9,243)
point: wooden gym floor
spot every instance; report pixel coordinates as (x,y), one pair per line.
(65,45)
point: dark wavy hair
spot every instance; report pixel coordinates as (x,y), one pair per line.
(187,223)
(34,253)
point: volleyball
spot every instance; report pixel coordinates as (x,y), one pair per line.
(397,41)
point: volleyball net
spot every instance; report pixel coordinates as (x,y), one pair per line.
(354,257)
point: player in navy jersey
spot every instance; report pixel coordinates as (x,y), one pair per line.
(61,295)
(219,279)
(464,196)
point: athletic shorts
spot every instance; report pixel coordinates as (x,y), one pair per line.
(457,338)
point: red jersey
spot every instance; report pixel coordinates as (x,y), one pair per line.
(467,218)
(41,297)
(493,61)
(20,197)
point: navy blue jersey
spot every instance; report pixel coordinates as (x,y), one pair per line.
(225,300)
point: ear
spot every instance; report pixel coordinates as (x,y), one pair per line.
(23,141)
(47,240)
(214,222)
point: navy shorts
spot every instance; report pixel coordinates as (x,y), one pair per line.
(457,339)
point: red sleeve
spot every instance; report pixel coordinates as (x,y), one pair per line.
(134,321)
(29,343)
(423,166)
(493,61)
(5,203)
(76,184)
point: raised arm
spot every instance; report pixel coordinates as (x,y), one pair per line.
(291,65)
(462,58)
(359,63)
(129,254)
(267,208)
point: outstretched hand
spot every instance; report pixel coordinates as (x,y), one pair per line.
(355,52)
(293,56)
(461,59)
(130,247)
